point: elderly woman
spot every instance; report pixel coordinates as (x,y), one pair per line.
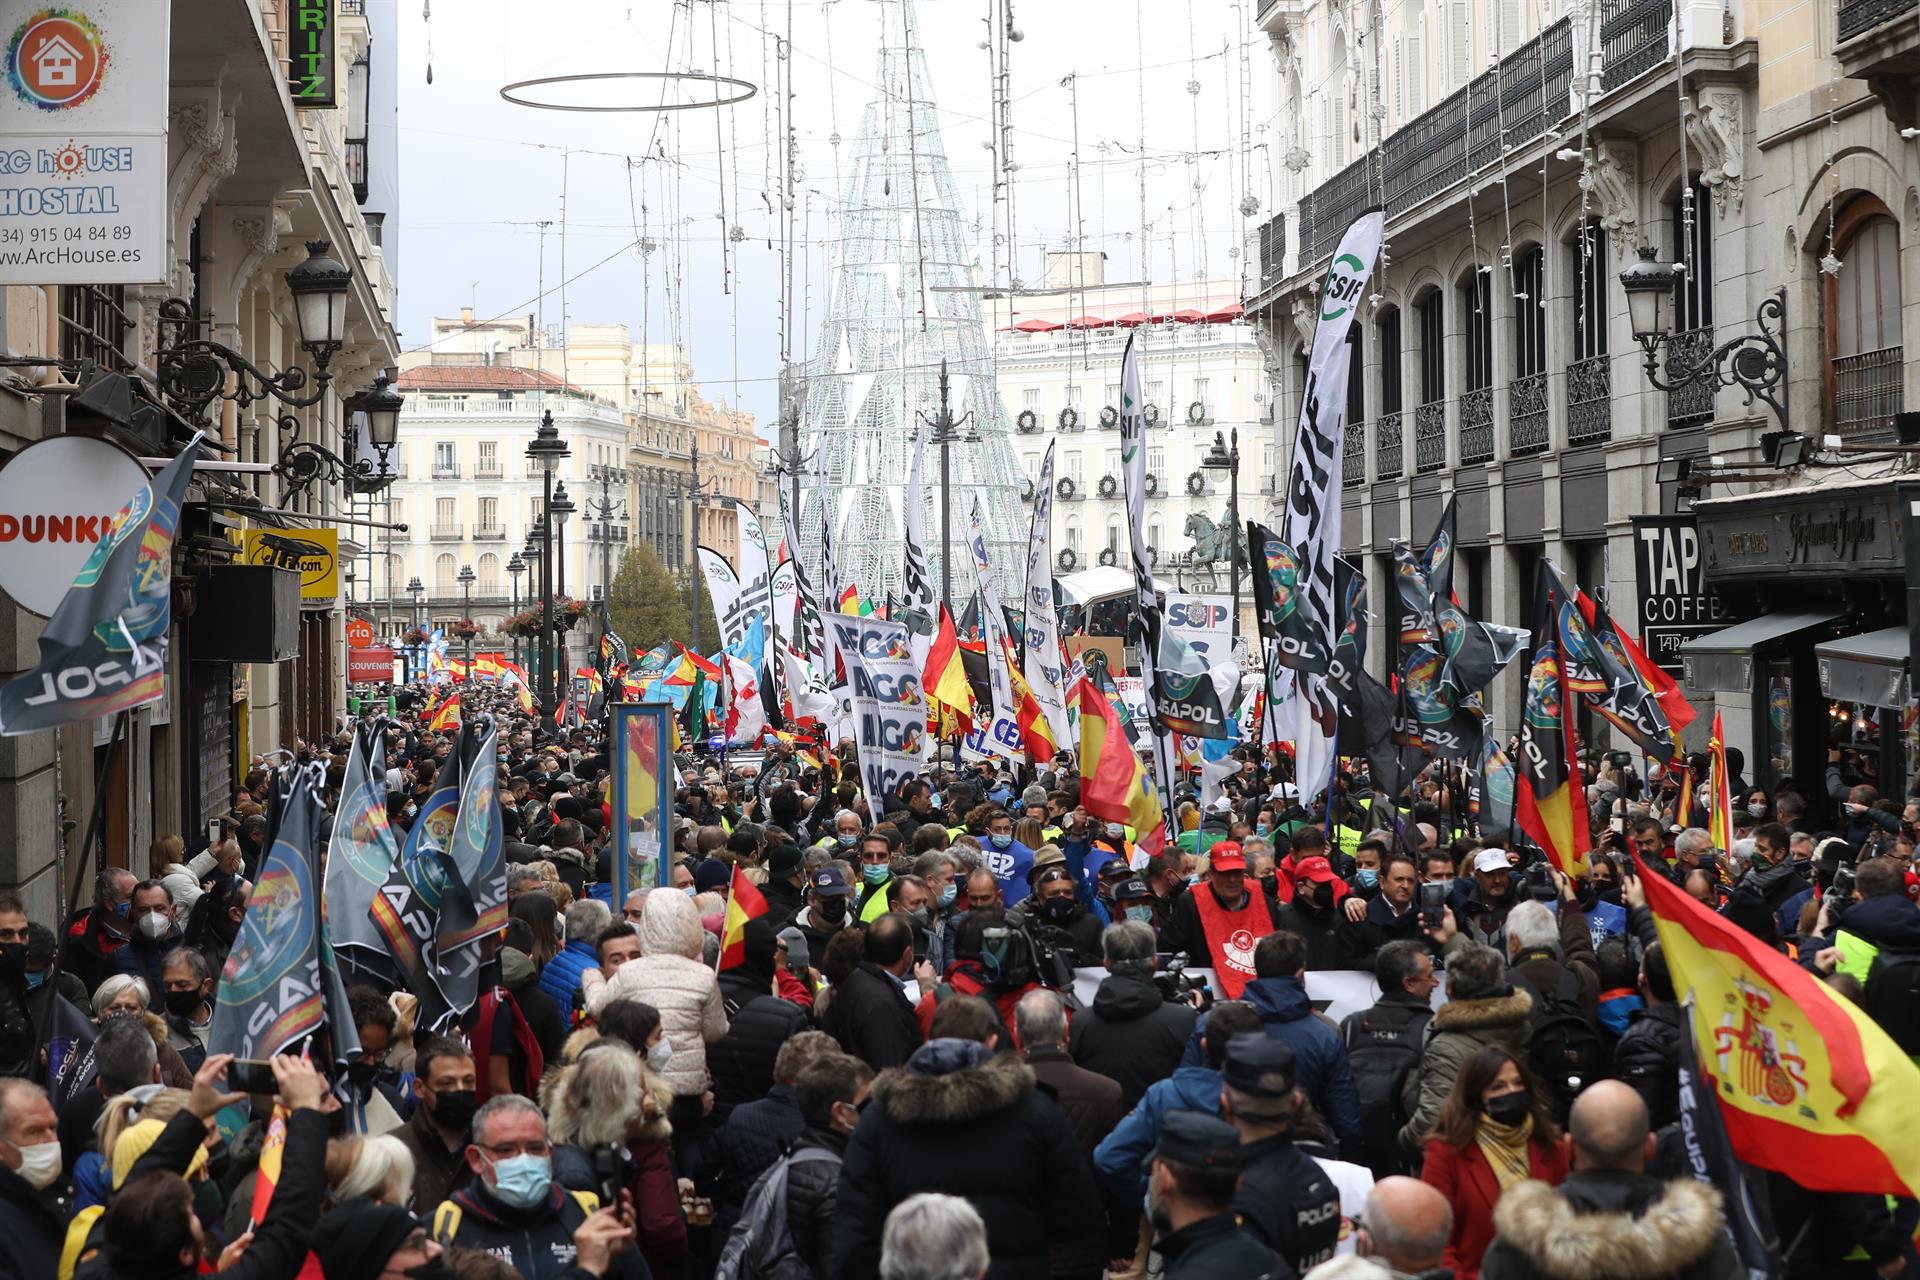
(123,995)
(670,976)
(379,1168)
(607,1098)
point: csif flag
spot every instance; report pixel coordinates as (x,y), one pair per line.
(1549,804)
(104,650)
(1809,1084)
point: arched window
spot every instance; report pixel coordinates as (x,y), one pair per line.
(1339,127)
(444,573)
(1073,534)
(489,572)
(1589,377)
(1862,305)
(1153,540)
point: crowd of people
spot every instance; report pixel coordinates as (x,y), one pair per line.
(985,1034)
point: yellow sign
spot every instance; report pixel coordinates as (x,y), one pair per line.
(314,554)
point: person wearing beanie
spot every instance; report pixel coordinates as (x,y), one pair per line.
(786,886)
(710,875)
(362,1238)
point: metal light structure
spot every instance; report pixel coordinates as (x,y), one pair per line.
(546,451)
(1754,362)
(697,496)
(945,431)
(416,589)
(1225,456)
(606,509)
(559,508)
(515,567)
(466,610)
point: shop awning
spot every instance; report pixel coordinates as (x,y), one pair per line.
(1722,661)
(1870,668)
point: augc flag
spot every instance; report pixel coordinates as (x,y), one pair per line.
(1808,1084)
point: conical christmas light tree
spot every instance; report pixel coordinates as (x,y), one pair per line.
(901,300)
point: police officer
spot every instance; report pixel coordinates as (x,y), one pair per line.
(1286,1199)
(1190,1200)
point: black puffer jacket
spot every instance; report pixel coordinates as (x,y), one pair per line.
(750,1141)
(537,1243)
(758,1023)
(813,1194)
(1648,1058)
(958,1120)
(1131,1035)
(32,1226)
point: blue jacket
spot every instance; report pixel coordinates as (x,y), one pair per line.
(1320,1062)
(561,978)
(1010,867)
(1118,1157)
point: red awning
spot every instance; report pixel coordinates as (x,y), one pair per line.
(1087,322)
(1038,326)
(1188,317)
(1233,312)
(1133,320)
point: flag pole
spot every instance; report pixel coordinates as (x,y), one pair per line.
(94,822)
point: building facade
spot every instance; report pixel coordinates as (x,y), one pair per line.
(1057,359)
(1524,155)
(252,176)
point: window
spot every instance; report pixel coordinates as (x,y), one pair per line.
(1529,312)
(1157,393)
(1459,37)
(1072,470)
(1335,98)
(1587,261)
(489,510)
(1693,292)
(1030,399)
(1476,312)
(1073,534)
(1390,361)
(1200,388)
(93,324)
(1862,314)
(444,574)
(443,512)
(1113,395)
(1112,464)
(1157,461)
(443,464)
(489,584)
(1073,397)
(1356,378)
(489,458)
(1431,314)
(534,504)
(1113,536)
(1153,539)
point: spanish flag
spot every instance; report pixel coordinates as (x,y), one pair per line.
(525,697)
(850,601)
(1719,790)
(945,678)
(1113,781)
(1032,721)
(744,903)
(487,665)
(705,666)
(447,718)
(1808,1084)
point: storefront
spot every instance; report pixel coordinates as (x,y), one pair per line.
(1819,571)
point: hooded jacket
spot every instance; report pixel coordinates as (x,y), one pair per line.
(758,1023)
(1320,1063)
(1890,920)
(1118,1159)
(1458,1030)
(961,1120)
(1621,1226)
(1648,1058)
(670,976)
(1132,1035)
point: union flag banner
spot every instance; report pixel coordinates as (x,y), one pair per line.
(1808,1084)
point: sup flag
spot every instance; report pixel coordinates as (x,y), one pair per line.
(105,648)
(1549,803)
(1312,500)
(280,985)
(1808,1084)
(360,855)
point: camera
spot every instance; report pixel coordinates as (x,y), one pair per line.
(1539,883)
(1619,759)
(611,1165)
(1177,985)
(1843,885)
(1014,957)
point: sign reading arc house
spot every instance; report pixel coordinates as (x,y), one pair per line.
(314,554)
(58,497)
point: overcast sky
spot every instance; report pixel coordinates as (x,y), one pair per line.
(478,174)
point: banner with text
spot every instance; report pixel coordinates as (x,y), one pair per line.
(889,707)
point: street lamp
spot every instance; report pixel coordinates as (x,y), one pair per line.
(606,509)
(515,567)
(545,451)
(466,611)
(559,507)
(946,431)
(1754,362)
(416,589)
(1225,456)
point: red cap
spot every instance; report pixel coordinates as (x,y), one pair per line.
(1226,856)
(1314,868)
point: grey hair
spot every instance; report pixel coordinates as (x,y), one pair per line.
(932,862)
(501,1104)
(1129,940)
(10,1085)
(193,958)
(1531,927)
(1692,840)
(586,918)
(125,1054)
(846,813)
(520,873)
(1391,1239)
(602,1097)
(933,1237)
(113,984)
(1039,1019)
(1475,972)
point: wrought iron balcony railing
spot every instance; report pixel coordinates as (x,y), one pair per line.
(1389,450)
(1590,400)
(1527,426)
(1430,436)
(1476,426)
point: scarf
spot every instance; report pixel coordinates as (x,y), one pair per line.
(1506,1148)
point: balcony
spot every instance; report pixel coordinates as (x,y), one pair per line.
(1590,400)
(486,470)
(1273,253)
(1872,46)
(1476,426)
(1692,404)
(446,471)
(1866,394)
(1353,459)
(1633,39)
(1527,414)
(447,532)
(357,168)
(1430,436)
(1389,451)
(1857,17)
(489,533)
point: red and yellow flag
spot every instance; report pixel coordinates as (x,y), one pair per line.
(1809,1085)
(1549,804)
(945,678)
(447,718)
(744,903)
(273,1150)
(1030,719)
(705,666)
(1113,781)
(1719,790)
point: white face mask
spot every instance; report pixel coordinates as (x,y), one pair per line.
(659,1053)
(40,1164)
(154,924)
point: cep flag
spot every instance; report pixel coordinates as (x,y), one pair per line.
(105,648)
(1809,1085)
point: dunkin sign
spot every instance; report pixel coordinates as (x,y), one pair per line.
(58,497)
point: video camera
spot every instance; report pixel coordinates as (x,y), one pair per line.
(1012,957)
(611,1166)
(1177,985)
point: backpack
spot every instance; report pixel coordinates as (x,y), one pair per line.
(1892,997)
(760,1246)
(1383,1057)
(1566,1051)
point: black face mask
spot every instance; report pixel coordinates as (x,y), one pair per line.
(184,1004)
(833,910)
(1058,910)
(1270,885)
(362,1074)
(454,1109)
(1608,892)
(1510,1108)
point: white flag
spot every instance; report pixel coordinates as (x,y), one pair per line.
(1042,661)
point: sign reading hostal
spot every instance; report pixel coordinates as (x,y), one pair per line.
(314,554)
(83,142)
(58,497)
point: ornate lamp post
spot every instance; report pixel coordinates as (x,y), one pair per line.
(1754,362)
(416,589)
(546,450)
(946,432)
(466,610)
(559,507)
(515,567)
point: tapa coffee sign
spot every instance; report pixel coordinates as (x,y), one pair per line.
(1670,584)
(314,554)
(58,497)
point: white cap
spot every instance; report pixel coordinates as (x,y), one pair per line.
(1491,860)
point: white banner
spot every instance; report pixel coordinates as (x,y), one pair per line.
(889,707)
(723,589)
(786,600)
(83,164)
(1311,492)
(756,579)
(1042,662)
(917,609)
(1002,737)
(1205,623)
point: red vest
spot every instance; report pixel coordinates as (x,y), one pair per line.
(1231,935)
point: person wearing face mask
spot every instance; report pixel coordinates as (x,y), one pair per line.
(94,936)
(515,1211)
(759,1021)
(1494,1133)
(1006,857)
(375,1105)
(1054,905)
(1314,912)
(189,1002)
(827,910)
(1194,1173)
(445,1083)
(830,1092)
(32,1220)
(154,934)
(876,877)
